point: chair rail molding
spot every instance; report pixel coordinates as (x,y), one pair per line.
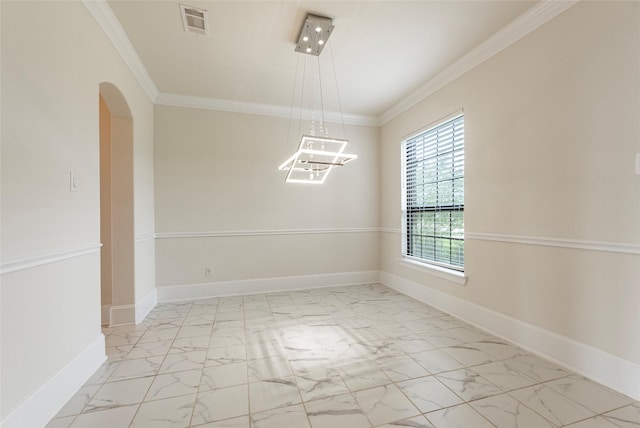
(578,244)
(146,237)
(27,262)
(264,232)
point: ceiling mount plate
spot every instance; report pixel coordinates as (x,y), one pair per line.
(314,34)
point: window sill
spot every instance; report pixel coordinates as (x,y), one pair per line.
(440,272)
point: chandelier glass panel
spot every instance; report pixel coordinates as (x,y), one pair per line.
(318,152)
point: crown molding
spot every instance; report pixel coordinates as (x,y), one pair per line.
(529,21)
(105,17)
(204,103)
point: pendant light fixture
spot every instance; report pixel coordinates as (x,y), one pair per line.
(318,152)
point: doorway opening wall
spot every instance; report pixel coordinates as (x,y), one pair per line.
(54,57)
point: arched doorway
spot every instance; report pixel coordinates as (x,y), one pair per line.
(116,207)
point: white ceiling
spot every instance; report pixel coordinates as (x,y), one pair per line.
(382,50)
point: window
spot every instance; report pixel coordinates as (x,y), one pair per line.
(433,195)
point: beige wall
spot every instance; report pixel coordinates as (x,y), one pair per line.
(123,292)
(218,172)
(106,265)
(551,132)
(54,56)
(143,202)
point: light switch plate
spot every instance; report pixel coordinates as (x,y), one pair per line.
(73,182)
(637,163)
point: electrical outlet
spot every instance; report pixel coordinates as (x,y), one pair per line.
(208,271)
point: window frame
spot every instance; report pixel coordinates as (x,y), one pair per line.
(408,212)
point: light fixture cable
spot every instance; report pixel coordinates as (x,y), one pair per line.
(317,153)
(323,130)
(293,96)
(335,78)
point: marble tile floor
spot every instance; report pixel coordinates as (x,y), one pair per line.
(352,357)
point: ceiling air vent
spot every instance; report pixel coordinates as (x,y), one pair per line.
(194,20)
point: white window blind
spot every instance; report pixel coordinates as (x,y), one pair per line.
(433,195)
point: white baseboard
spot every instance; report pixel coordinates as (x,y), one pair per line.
(43,405)
(131,314)
(171,293)
(106,315)
(144,306)
(122,315)
(616,373)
